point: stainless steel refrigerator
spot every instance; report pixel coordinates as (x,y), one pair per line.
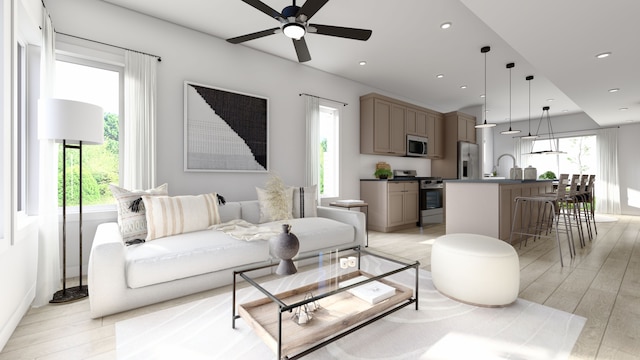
(468,161)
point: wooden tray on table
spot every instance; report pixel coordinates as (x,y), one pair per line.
(337,313)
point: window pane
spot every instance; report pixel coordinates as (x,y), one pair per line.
(100,163)
(579,157)
(329,152)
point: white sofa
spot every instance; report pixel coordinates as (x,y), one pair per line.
(122,277)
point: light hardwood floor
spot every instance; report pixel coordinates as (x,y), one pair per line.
(602,284)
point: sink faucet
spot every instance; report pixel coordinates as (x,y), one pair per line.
(503,155)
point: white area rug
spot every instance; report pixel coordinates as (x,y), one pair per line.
(440,329)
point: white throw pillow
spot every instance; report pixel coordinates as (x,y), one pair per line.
(305,201)
(168,215)
(275,206)
(131,212)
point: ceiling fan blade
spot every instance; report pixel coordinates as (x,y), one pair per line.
(344,32)
(264,8)
(311,7)
(301,49)
(255,35)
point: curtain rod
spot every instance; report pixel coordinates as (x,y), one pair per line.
(575,131)
(320,97)
(115,46)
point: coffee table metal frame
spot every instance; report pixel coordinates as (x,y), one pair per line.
(283,307)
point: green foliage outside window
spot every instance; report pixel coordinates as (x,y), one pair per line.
(100,167)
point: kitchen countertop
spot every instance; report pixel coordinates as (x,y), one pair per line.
(495,181)
(401,179)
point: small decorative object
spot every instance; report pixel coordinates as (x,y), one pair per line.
(313,306)
(303,314)
(285,246)
(382,173)
(352,261)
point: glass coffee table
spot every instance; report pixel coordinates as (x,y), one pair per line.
(332,296)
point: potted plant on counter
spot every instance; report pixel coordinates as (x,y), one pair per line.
(382,173)
(547,175)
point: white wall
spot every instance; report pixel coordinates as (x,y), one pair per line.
(582,124)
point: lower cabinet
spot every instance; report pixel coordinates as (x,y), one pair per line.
(393,205)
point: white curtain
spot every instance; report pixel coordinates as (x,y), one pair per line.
(607,188)
(48,280)
(313,125)
(522,151)
(139,166)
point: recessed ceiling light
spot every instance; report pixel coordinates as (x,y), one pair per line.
(550,100)
(463,86)
(603,55)
(445,25)
(623,109)
(440,76)
(565,110)
(614,90)
(362,63)
(482,96)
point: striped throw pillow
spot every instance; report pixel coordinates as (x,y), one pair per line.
(172,215)
(305,201)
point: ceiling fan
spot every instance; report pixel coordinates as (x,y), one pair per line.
(294,23)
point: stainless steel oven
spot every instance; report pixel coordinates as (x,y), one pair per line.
(431,201)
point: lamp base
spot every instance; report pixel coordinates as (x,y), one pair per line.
(70,294)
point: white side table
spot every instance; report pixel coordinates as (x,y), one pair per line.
(357,205)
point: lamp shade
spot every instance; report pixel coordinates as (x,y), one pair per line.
(61,119)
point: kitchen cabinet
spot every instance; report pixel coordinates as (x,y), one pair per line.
(435,133)
(457,127)
(463,125)
(385,123)
(382,127)
(393,205)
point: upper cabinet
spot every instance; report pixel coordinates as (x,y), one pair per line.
(385,123)
(463,125)
(382,127)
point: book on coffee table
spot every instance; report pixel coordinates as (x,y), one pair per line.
(372,292)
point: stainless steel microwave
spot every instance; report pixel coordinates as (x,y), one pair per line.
(416,145)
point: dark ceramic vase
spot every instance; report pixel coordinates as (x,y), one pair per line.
(285,246)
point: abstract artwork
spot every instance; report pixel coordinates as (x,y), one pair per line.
(224,130)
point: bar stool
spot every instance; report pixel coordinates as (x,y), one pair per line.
(572,206)
(540,216)
(590,200)
(582,198)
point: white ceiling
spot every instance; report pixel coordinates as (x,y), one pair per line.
(556,41)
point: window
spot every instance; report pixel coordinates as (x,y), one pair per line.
(329,162)
(580,157)
(21,128)
(99,84)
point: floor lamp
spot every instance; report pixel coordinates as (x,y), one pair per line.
(75,124)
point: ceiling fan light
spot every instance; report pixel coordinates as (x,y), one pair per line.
(293,30)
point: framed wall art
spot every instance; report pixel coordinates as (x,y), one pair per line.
(224,130)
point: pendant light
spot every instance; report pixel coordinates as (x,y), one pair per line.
(553,145)
(529,78)
(485,124)
(510,131)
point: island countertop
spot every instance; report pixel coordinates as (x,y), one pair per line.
(496,181)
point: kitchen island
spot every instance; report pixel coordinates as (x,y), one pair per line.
(486,206)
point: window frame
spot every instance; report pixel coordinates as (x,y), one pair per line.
(79,59)
(337,131)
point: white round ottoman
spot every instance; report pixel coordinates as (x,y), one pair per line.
(475,269)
